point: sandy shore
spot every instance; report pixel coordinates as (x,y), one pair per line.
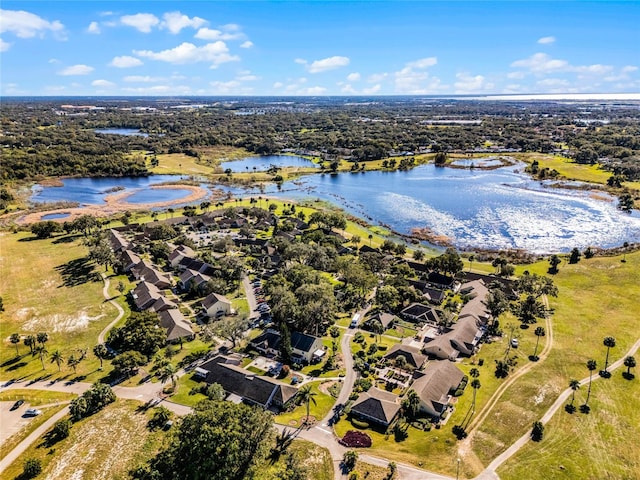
(117,203)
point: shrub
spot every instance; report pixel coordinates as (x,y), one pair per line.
(32,468)
(537,432)
(353,438)
(359,423)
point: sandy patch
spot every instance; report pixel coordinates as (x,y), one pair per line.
(57,323)
(116,203)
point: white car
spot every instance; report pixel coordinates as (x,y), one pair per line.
(32,412)
(515,342)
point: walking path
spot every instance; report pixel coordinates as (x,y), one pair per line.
(105,292)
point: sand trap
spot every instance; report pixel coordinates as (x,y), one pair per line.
(117,203)
(57,323)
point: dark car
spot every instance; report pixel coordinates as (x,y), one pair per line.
(17,405)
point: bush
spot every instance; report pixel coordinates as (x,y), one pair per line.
(353,438)
(61,429)
(537,432)
(32,468)
(359,423)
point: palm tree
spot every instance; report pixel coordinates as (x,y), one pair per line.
(540,332)
(168,372)
(629,362)
(471,259)
(30,341)
(401,362)
(591,365)
(574,385)
(306,396)
(608,342)
(73,362)
(40,351)
(101,352)
(370,238)
(475,384)
(412,403)
(474,372)
(15,339)
(42,338)
(57,358)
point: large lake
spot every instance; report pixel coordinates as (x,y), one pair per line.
(121,131)
(93,191)
(264,162)
(496,209)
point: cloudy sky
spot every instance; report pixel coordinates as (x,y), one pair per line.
(318,48)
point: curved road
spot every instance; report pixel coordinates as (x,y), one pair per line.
(105,292)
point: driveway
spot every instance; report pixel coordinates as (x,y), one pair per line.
(251,298)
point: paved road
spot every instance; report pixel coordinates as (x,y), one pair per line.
(105,292)
(251,298)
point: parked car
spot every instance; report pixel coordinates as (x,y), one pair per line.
(515,343)
(32,412)
(17,405)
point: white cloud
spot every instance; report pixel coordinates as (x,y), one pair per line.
(326,64)
(142,22)
(542,64)
(377,77)
(353,77)
(516,75)
(247,44)
(103,84)
(54,61)
(28,25)
(629,68)
(76,70)
(300,61)
(225,87)
(142,79)
(216,53)
(546,40)
(247,77)
(313,91)
(176,21)
(553,82)
(125,61)
(278,85)
(348,89)
(4,46)
(225,32)
(595,69)
(372,90)
(471,84)
(93,28)
(415,79)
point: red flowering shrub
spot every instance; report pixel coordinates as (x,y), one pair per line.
(353,438)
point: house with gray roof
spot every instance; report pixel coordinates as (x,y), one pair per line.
(180,252)
(462,338)
(419,313)
(128,260)
(435,386)
(192,277)
(216,305)
(385,319)
(376,406)
(176,325)
(145,271)
(415,359)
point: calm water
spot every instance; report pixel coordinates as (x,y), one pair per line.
(93,190)
(474,208)
(121,131)
(264,162)
(54,216)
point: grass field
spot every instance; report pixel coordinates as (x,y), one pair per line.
(569,169)
(598,298)
(324,403)
(104,446)
(49,286)
(316,461)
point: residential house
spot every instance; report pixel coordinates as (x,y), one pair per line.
(386,320)
(118,242)
(145,294)
(476,292)
(128,260)
(177,326)
(419,313)
(192,278)
(376,406)
(242,385)
(415,359)
(435,386)
(462,338)
(180,252)
(438,280)
(306,347)
(216,305)
(145,271)
(267,343)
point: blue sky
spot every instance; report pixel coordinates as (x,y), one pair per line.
(318,48)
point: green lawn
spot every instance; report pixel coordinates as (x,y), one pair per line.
(48,286)
(602,444)
(598,298)
(315,459)
(323,405)
(571,170)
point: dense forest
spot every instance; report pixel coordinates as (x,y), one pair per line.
(54,137)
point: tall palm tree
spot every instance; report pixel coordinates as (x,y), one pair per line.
(591,365)
(574,385)
(101,352)
(474,372)
(475,384)
(539,332)
(41,352)
(168,372)
(412,403)
(57,358)
(42,337)
(471,259)
(306,396)
(73,362)
(15,339)
(30,341)
(608,342)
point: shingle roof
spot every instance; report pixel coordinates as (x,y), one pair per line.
(377,405)
(302,342)
(214,298)
(176,325)
(434,384)
(411,354)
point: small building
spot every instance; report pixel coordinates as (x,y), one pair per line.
(386,320)
(267,343)
(192,278)
(415,359)
(145,271)
(177,326)
(118,242)
(128,260)
(419,313)
(462,338)
(441,281)
(216,305)
(376,406)
(435,386)
(179,253)
(306,347)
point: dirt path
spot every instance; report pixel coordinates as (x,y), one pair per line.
(105,292)
(518,444)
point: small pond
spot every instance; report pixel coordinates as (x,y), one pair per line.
(151,195)
(55,216)
(262,163)
(121,131)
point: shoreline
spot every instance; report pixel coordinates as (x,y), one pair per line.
(116,203)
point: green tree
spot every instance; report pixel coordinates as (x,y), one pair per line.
(306,396)
(127,363)
(629,362)
(608,342)
(41,352)
(529,310)
(141,332)
(218,441)
(30,341)
(161,415)
(574,385)
(231,329)
(15,339)
(215,392)
(101,352)
(168,372)
(418,255)
(591,365)
(554,261)
(61,429)
(349,460)
(387,297)
(475,384)
(400,362)
(575,255)
(45,229)
(57,358)
(411,403)
(42,338)
(539,332)
(537,431)
(73,362)
(32,468)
